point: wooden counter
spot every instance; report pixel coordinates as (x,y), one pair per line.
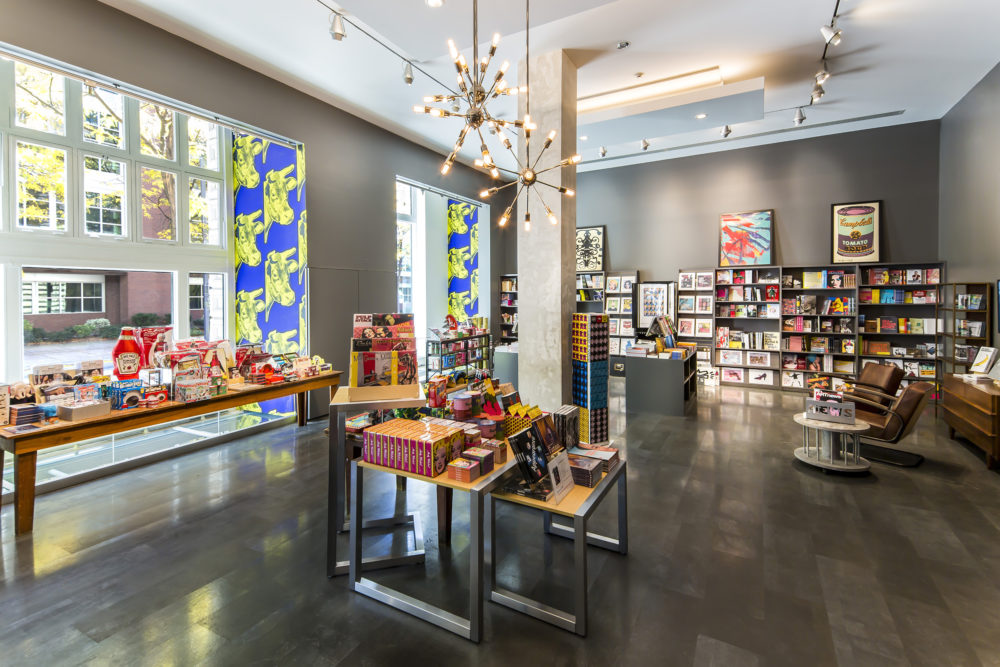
(973,410)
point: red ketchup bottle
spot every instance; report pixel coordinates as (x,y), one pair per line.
(127,355)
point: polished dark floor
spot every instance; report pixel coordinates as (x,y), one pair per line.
(740,555)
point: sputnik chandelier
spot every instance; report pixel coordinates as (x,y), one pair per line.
(475,95)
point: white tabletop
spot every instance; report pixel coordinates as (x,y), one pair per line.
(800,418)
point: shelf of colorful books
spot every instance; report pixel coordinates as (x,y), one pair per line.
(926,285)
(894,333)
(896,356)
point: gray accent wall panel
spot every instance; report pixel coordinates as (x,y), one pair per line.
(970,184)
(662,216)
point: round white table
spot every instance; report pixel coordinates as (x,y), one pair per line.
(834,446)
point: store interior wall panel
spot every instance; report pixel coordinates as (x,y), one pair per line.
(970,186)
(662,216)
(332,292)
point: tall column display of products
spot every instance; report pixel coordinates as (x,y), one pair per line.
(270,229)
(966,315)
(590,291)
(747,316)
(589,350)
(819,326)
(695,328)
(898,320)
(508,308)
(618,304)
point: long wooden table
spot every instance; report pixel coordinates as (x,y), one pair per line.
(25,446)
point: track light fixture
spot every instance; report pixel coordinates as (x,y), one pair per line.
(408,73)
(799,117)
(726,131)
(604,151)
(644,144)
(831,33)
(337,28)
(817,93)
(823,75)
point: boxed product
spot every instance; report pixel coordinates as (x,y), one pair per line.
(4,404)
(499,449)
(481,455)
(156,394)
(84,410)
(419,447)
(464,470)
(383,325)
(126,394)
(191,389)
(373,369)
(154,341)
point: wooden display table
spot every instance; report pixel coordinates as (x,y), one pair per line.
(973,410)
(25,446)
(578,505)
(472,627)
(828,451)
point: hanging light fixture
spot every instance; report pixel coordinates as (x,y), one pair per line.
(644,144)
(817,93)
(527,174)
(831,33)
(604,151)
(408,73)
(823,75)
(799,117)
(476,90)
(337,28)
(726,131)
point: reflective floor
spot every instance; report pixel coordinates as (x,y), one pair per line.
(739,555)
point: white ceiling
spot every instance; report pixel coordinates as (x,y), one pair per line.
(901,61)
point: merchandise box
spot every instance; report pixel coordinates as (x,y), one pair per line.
(74,413)
(386,393)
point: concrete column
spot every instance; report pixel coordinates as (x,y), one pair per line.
(546,254)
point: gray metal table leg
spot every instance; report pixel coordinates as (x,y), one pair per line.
(475,566)
(580,585)
(623,513)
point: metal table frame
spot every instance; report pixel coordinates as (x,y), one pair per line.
(848,459)
(573,622)
(337,519)
(470,628)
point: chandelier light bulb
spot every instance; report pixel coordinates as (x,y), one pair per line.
(527,222)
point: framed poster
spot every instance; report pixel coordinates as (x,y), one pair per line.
(685,280)
(627,283)
(685,304)
(746,239)
(614,283)
(703,328)
(703,280)
(703,304)
(730,357)
(732,375)
(685,326)
(613,305)
(590,249)
(654,299)
(625,327)
(614,346)
(855,228)
(626,305)
(759,359)
(755,376)
(612,326)
(791,379)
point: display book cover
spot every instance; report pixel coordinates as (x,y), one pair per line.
(541,478)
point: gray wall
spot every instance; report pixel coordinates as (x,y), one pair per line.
(351,163)
(663,216)
(970,184)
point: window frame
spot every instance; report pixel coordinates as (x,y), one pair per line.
(127,222)
(14,216)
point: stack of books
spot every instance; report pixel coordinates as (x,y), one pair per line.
(586,471)
(608,456)
(567,421)
(24,413)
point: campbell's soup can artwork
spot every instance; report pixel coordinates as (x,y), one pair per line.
(856,232)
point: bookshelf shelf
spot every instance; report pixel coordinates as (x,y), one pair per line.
(966,307)
(508,313)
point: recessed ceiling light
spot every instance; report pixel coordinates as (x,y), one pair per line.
(583,138)
(701,116)
(623,44)
(434,3)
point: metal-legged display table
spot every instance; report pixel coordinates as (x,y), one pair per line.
(834,446)
(579,505)
(472,627)
(337,522)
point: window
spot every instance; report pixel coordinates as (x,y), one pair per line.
(103,117)
(40,297)
(39,99)
(203,144)
(404,200)
(156,131)
(41,187)
(196,295)
(159,210)
(204,211)
(104,196)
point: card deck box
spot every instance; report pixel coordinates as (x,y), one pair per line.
(499,449)
(464,470)
(482,456)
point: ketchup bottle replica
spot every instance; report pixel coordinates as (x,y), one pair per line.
(127,355)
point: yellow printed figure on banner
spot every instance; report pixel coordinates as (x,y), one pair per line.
(303,240)
(474,240)
(457,301)
(300,171)
(303,313)
(248,304)
(276,206)
(277,282)
(248,226)
(456,262)
(456,218)
(245,148)
(280,342)
(474,283)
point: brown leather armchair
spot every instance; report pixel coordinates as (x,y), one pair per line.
(893,423)
(876,382)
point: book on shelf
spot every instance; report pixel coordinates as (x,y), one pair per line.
(877,347)
(724,277)
(927,371)
(843,366)
(984,360)
(932,276)
(911,369)
(969,301)
(772,340)
(794,344)
(847,346)
(819,344)
(969,328)
(814,279)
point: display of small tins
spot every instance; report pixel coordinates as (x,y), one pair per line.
(487,428)
(473,437)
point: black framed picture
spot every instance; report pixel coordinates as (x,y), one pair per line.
(590,249)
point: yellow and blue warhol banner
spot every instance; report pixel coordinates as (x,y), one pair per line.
(463,260)
(270,228)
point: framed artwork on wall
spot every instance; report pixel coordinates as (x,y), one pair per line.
(703,328)
(746,239)
(612,305)
(685,280)
(760,377)
(614,284)
(654,300)
(685,326)
(855,232)
(685,304)
(703,280)
(703,305)
(590,249)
